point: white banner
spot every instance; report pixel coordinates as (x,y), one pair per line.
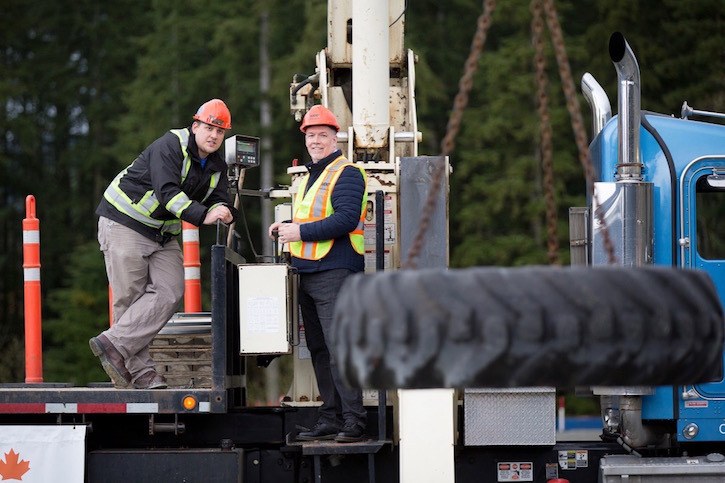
(42,454)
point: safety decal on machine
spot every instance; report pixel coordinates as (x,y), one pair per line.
(388,234)
(390,229)
(515,471)
(573,459)
(552,471)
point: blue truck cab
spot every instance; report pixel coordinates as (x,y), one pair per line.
(660,193)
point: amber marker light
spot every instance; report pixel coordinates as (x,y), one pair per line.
(189,402)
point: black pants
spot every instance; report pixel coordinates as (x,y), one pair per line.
(318,293)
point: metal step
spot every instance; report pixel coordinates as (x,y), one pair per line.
(188,323)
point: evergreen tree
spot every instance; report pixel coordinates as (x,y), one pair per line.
(82,309)
(497,202)
(60,92)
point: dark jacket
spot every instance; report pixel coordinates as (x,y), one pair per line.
(158,168)
(346,202)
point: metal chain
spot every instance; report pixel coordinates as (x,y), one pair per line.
(577,124)
(542,98)
(461,101)
(454,124)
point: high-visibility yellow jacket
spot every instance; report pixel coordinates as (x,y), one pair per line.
(315,203)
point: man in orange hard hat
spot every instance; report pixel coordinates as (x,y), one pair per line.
(327,245)
(180,176)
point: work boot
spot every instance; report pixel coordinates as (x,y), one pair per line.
(111,360)
(352,432)
(150,380)
(319,432)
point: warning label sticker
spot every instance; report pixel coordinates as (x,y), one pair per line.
(515,471)
(552,471)
(573,459)
(388,234)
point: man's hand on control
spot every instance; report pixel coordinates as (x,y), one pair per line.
(218,213)
(288,232)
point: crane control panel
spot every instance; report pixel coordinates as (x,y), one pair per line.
(242,151)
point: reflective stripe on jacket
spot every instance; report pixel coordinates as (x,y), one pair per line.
(316,204)
(143,208)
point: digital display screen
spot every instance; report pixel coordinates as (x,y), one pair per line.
(245,147)
(242,151)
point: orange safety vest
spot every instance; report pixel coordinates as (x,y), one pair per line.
(316,205)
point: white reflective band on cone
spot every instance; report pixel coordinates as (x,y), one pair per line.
(191,235)
(192,273)
(31,236)
(31,274)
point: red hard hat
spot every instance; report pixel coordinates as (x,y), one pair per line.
(319,115)
(215,113)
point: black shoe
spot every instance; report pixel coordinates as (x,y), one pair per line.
(318,432)
(352,432)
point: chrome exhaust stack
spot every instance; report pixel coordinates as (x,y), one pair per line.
(626,205)
(579,219)
(628,101)
(598,101)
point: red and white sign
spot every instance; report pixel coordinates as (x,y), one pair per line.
(38,454)
(515,471)
(696,404)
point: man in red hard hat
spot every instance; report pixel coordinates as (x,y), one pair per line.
(180,176)
(327,245)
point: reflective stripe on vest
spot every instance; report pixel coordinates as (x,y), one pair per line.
(316,205)
(142,209)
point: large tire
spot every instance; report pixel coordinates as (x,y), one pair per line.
(532,326)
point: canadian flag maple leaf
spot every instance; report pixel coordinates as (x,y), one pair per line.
(11,468)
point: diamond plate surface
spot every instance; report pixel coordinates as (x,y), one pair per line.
(512,416)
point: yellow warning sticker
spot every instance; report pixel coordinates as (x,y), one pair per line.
(573,459)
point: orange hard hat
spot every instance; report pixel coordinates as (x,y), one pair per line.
(319,115)
(215,113)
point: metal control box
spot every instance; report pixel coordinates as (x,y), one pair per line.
(524,416)
(267,308)
(242,151)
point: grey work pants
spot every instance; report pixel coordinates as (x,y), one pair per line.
(147,281)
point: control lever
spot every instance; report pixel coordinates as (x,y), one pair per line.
(275,245)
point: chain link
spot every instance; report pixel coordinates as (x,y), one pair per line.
(454,124)
(545,132)
(577,123)
(461,101)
